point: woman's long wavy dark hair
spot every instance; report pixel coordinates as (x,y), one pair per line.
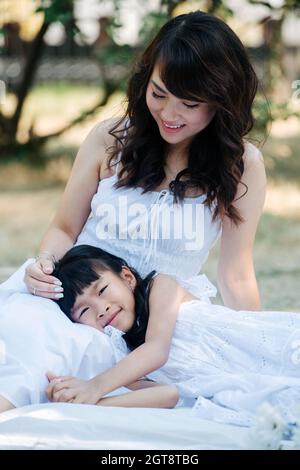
(200,58)
(77,269)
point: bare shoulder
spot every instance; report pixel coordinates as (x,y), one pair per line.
(102,129)
(100,135)
(254,168)
(252,186)
(165,279)
(252,156)
(164,285)
(97,143)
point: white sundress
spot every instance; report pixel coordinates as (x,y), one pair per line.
(231,362)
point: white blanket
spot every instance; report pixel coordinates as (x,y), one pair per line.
(35,337)
(67,426)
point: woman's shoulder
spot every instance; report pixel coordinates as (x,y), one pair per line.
(102,129)
(254,166)
(99,137)
(254,175)
(252,155)
(98,142)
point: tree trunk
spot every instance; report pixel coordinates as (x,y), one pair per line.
(26,81)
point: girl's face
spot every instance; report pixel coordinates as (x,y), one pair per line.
(107,301)
(178,120)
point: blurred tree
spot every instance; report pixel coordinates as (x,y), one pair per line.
(52,10)
(116,60)
(271,110)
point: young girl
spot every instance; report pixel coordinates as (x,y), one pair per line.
(229,361)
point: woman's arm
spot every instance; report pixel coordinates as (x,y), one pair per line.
(236,275)
(73,210)
(152,396)
(75,204)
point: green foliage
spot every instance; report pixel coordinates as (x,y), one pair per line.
(152,22)
(57,10)
(262,114)
(113,54)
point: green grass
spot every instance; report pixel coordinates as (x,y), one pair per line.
(282,159)
(276,259)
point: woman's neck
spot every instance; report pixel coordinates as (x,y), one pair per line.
(176,160)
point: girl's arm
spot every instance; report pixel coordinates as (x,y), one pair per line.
(152,396)
(236,275)
(165,298)
(5,405)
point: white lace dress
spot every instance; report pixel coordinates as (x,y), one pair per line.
(230,361)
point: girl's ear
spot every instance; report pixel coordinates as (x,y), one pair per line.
(128,277)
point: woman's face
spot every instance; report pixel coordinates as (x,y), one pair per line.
(107,301)
(178,120)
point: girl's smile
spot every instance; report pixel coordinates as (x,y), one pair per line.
(107,301)
(113,316)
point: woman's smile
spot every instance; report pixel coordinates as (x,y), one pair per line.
(171,128)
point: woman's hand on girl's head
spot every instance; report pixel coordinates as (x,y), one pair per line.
(39,281)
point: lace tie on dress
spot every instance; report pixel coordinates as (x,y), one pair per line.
(154,219)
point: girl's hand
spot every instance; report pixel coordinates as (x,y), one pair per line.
(38,278)
(71,390)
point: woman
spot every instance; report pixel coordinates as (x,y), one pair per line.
(181,141)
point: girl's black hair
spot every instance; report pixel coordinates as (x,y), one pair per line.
(77,269)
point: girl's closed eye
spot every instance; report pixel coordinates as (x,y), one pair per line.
(86,309)
(83,312)
(102,290)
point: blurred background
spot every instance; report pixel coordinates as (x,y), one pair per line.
(64,66)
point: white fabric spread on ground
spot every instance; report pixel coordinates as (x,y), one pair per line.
(66,426)
(31,337)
